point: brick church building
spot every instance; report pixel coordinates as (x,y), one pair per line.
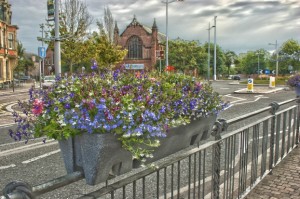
(141,43)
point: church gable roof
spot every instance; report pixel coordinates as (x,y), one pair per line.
(134,22)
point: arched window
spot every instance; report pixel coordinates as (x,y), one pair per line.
(135,48)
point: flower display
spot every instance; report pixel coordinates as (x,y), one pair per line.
(138,107)
(294,81)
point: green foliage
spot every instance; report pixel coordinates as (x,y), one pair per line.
(254,60)
(230,60)
(25,63)
(99,48)
(74,24)
(289,55)
(183,54)
(220,60)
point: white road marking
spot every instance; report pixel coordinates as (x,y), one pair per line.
(11,96)
(9,107)
(26,148)
(7,125)
(41,156)
(238,98)
(257,98)
(6,167)
(224,88)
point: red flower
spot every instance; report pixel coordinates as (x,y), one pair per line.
(170,68)
(38,106)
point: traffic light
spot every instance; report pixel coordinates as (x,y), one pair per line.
(162,54)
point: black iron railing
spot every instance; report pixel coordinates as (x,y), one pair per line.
(228,166)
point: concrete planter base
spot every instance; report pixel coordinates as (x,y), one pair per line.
(96,155)
(181,137)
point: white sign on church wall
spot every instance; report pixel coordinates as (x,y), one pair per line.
(134,66)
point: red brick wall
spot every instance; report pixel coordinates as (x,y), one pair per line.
(149,43)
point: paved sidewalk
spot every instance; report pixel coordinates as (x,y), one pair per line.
(24,88)
(284,183)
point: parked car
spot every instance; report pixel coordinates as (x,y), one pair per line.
(236,77)
(48,81)
(25,78)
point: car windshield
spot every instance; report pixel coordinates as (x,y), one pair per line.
(49,77)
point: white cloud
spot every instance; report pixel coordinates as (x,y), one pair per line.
(241,24)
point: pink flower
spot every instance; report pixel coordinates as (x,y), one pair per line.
(38,106)
(147,98)
(152,79)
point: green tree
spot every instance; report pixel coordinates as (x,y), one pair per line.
(230,60)
(99,48)
(25,63)
(253,61)
(74,24)
(107,26)
(185,55)
(220,59)
(289,56)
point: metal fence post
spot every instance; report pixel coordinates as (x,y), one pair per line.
(216,157)
(274,108)
(298,120)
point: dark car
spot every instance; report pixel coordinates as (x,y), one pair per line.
(24,78)
(236,77)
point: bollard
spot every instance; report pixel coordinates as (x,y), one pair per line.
(272,82)
(250,85)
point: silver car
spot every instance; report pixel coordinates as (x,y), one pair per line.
(48,81)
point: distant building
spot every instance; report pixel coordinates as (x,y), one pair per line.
(141,42)
(8,43)
(49,62)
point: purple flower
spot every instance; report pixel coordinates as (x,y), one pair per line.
(94,66)
(67,106)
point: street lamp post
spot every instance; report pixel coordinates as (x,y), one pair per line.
(167,36)
(258,63)
(208,52)
(57,62)
(276,45)
(215,49)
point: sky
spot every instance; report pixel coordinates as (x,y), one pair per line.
(241,25)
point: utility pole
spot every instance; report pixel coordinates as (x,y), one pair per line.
(57,59)
(167,2)
(276,58)
(208,52)
(215,49)
(42,26)
(276,49)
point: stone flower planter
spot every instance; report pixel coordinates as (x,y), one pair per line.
(181,137)
(98,155)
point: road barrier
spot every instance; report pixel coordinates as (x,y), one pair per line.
(228,166)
